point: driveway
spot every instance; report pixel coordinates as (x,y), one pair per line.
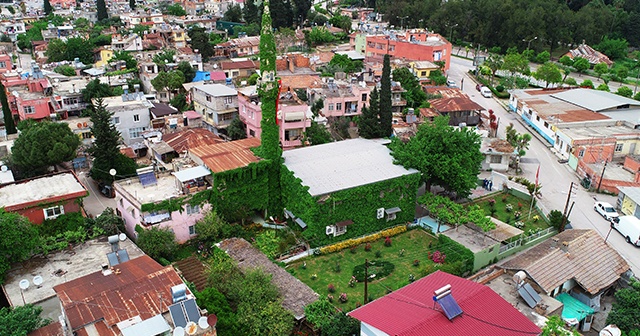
(95,203)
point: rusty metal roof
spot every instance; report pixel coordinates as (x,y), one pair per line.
(589,260)
(194,137)
(140,286)
(227,155)
(453,104)
(52,329)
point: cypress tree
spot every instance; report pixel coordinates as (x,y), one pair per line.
(385,99)
(268,92)
(369,125)
(9,124)
(102,10)
(47,7)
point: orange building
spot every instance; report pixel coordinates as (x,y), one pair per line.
(410,45)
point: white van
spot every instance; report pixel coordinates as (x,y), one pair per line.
(485,91)
(629,228)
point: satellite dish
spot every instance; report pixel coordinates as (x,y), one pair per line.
(122,237)
(24,284)
(4,168)
(191,328)
(178,331)
(202,322)
(212,320)
(112,172)
(37,280)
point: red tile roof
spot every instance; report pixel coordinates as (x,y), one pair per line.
(248,64)
(117,297)
(228,155)
(410,311)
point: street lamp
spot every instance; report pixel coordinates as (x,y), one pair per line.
(402,18)
(529,42)
(451,31)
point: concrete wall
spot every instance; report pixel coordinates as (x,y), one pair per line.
(485,257)
(127,122)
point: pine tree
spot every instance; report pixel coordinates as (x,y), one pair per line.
(385,99)
(47,7)
(282,13)
(102,10)
(369,125)
(9,124)
(268,92)
(132,4)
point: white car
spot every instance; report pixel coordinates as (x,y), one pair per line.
(606,210)
(486,92)
(451,83)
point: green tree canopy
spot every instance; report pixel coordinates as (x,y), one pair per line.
(543,57)
(130,62)
(345,63)
(281,13)
(21,320)
(176,10)
(187,70)
(7,115)
(251,12)
(581,64)
(47,7)
(369,123)
(414,94)
(237,129)
(566,60)
(17,243)
(171,80)
(317,134)
(44,144)
(102,10)
(341,21)
(162,58)
(444,155)
(96,89)
(233,14)
(603,87)
(200,41)
(157,242)
(614,48)
(625,313)
(66,70)
(549,73)
(601,69)
(624,91)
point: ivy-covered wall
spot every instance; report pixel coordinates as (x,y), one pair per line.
(358,204)
(235,192)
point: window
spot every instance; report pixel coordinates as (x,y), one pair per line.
(496,158)
(192,230)
(391,216)
(121,202)
(209,98)
(340,230)
(330,107)
(228,100)
(163,95)
(3,65)
(133,213)
(115,120)
(339,106)
(29,109)
(619,147)
(136,117)
(193,209)
(423,74)
(53,212)
(252,133)
(364,97)
(136,132)
(546,124)
(538,118)
(581,153)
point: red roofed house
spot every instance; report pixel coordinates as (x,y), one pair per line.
(239,69)
(45,197)
(131,297)
(411,311)
(227,155)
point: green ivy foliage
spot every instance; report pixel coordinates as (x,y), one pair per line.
(357,204)
(170,205)
(236,192)
(456,253)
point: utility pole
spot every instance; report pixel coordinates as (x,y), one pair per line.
(566,207)
(366,280)
(602,175)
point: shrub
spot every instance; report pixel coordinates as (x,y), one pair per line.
(500,88)
(367,247)
(337,268)
(378,254)
(157,242)
(314,276)
(437,257)
(343,297)
(331,288)
(330,298)
(509,207)
(387,242)
(412,278)
(366,239)
(353,249)
(416,263)
(353,281)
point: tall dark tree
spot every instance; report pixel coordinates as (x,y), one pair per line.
(102,10)
(237,129)
(301,10)
(200,41)
(369,124)
(233,14)
(105,152)
(96,89)
(385,98)
(9,123)
(187,70)
(281,13)
(251,12)
(47,7)
(132,4)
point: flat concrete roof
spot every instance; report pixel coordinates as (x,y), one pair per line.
(614,171)
(594,100)
(595,131)
(216,90)
(60,267)
(471,239)
(39,189)
(115,104)
(165,188)
(343,165)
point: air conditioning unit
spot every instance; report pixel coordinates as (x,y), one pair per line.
(380,213)
(330,230)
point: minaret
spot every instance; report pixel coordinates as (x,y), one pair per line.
(268,92)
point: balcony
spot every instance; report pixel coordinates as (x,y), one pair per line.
(291,143)
(152,218)
(399,102)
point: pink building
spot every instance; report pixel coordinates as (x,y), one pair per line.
(138,199)
(294,116)
(410,45)
(5,63)
(341,98)
(30,98)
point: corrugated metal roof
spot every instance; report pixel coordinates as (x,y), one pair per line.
(191,138)
(589,260)
(594,100)
(227,155)
(117,297)
(454,104)
(410,311)
(191,173)
(632,192)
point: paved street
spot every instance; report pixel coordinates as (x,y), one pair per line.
(95,203)
(554,177)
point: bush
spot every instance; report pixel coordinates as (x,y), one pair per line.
(366,239)
(587,83)
(387,242)
(331,288)
(343,297)
(571,81)
(500,88)
(157,242)
(378,254)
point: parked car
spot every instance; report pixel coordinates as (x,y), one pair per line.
(629,228)
(486,92)
(451,83)
(605,210)
(106,190)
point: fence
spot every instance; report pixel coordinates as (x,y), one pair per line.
(525,240)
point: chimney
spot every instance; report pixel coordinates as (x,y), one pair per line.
(554,242)
(565,247)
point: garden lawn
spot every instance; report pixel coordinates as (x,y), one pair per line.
(518,204)
(416,244)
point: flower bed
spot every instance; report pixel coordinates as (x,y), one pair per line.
(357,241)
(513,211)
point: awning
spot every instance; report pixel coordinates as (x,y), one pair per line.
(156,218)
(573,308)
(392,210)
(301,223)
(344,223)
(156,325)
(191,173)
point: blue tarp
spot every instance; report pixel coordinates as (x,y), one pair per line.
(573,308)
(202,76)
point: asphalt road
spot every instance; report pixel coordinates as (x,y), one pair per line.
(555,177)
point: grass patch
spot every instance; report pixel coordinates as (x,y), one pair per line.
(404,249)
(518,205)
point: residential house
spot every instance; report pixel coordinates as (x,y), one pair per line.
(341,98)
(169,151)
(593,56)
(239,47)
(130,117)
(457,105)
(296,295)
(497,154)
(422,69)
(398,103)
(173,34)
(225,156)
(442,304)
(82,128)
(137,200)
(49,196)
(30,98)
(144,18)
(294,116)
(63,4)
(566,267)
(347,188)
(102,56)
(6,63)
(217,103)
(193,7)
(67,95)
(629,199)
(358,42)
(239,69)
(411,45)
(12,29)
(360,13)
(131,42)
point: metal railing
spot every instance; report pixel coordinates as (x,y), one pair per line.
(525,240)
